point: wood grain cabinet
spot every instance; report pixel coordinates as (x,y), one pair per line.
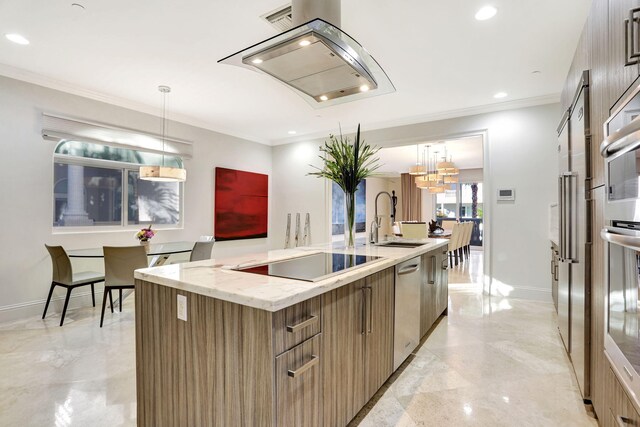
(299,385)
(357,347)
(624,45)
(315,363)
(622,412)
(295,324)
(222,367)
(434,293)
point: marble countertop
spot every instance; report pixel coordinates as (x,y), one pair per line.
(218,278)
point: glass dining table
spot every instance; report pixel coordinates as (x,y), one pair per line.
(159,252)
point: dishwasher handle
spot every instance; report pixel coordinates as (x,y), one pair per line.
(409,269)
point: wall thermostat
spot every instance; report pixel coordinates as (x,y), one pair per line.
(506,194)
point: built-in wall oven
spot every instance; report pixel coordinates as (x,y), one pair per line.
(621,150)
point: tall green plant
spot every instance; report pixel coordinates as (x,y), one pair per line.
(346,163)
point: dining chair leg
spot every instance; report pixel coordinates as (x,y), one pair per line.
(93,295)
(120,298)
(455,255)
(104,303)
(46,306)
(110,301)
(66,303)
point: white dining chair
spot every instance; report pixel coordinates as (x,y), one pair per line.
(414,231)
(119,265)
(454,243)
(64,276)
(202,250)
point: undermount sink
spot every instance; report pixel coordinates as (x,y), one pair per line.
(401,244)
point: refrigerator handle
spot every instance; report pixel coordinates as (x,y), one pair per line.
(571,218)
(561,216)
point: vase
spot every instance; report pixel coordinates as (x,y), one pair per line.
(350,220)
(145,243)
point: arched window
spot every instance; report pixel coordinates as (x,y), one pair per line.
(99,185)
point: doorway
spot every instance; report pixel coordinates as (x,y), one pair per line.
(466,199)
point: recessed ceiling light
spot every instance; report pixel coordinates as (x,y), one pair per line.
(304,43)
(17,38)
(292,132)
(500,95)
(324,98)
(257,61)
(364,88)
(486,12)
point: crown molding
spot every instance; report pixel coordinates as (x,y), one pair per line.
(64,86)
(432,117)
(67,87)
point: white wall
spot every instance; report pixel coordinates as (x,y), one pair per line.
(27,181)
(520,152)
(294,191)
(471,175)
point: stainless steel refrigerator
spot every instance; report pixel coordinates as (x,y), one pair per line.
(574,285)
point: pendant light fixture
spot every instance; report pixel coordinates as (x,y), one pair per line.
(161,172)
(447,167)
(431,178)
(419,168)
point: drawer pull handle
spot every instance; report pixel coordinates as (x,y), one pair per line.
(302,369)
(623,421)
(304,324)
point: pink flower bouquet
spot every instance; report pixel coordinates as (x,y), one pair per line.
(145,234)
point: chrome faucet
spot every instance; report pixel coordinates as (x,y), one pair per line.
(376,223)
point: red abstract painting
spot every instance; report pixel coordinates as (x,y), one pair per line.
(241,204)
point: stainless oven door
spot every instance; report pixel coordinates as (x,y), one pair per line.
(622,341)
(621,150)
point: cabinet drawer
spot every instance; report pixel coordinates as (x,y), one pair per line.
(294,324)
(299,385)
(622,411)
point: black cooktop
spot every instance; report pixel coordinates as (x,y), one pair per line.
(311,268)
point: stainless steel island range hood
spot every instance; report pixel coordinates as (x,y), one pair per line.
(323,63)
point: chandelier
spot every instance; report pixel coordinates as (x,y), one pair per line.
(419,168)
(439,174)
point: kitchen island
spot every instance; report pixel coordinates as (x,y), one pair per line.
(218,346)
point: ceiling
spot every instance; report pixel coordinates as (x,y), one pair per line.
(466,153)
(441,60)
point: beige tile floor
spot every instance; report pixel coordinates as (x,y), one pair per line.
(491,362)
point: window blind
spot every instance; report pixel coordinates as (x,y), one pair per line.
(58,128)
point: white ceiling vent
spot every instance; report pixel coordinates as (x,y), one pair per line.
(280,18)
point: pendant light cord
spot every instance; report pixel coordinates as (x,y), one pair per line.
(164,121)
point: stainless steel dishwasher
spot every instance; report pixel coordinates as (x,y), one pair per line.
(407,310)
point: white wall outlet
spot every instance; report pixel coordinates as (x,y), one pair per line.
(182,307)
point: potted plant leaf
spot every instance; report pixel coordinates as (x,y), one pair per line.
(347,163)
